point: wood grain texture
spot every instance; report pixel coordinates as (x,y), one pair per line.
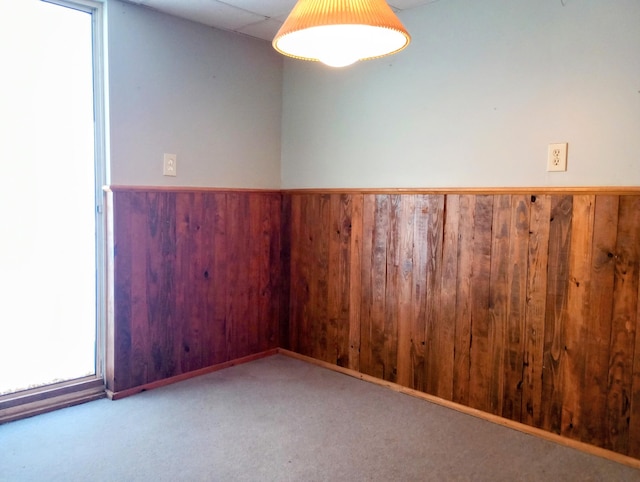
(516,306)
(439,336)
(481,349)
(198,281)
(598,326)
(555,312)
(521,304)
(536,297)
(623,325)
(461,370)
(355,282)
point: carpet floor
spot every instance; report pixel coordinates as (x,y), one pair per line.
(281,419)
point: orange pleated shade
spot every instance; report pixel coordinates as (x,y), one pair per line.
(341,32)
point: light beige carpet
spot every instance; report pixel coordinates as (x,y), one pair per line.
(281,419)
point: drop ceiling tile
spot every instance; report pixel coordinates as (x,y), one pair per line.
(264,30)
(268,8)
(209,12)
(250,17)
(405,4)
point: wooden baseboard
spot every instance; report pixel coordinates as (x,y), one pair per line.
(185,376)
(567,442)
(46,399)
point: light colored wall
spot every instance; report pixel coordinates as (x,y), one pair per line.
(211,97)
(475,100)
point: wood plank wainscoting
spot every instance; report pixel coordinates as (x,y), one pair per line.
(521,303)
(197,281)
(518,303)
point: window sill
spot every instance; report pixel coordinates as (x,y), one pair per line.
(45,399)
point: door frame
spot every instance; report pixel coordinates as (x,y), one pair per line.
(26,403)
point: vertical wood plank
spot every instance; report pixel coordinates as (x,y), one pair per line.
(321,275)
(339,232)
(418,325)
(298,284)
(309,337)
(555,311)
(277,294)
(284,287)
(462,358)
(404,276)
(141,336)
(305,281)
(480,367)
(573,362)
(344,277)
(598,324)
(205,273)
(253,281)
(377,336)
(160,284)
(517,275)
(124,241)
(623,333)
(355,282)
(334,233)
(218,287)
(440,345)
(389,335)
(634,418)
(367,307)
(190,297)
(538,252)
(238,276)
(268,211)
(448,291)
(498,303)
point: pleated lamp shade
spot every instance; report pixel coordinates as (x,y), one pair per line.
(341,32)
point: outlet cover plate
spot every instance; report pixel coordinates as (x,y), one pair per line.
(557,157)
(170,165)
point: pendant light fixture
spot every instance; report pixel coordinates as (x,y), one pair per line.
(341,32)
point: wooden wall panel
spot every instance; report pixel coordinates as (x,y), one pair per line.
(535,311)
(354,255)
(198,281)
(521,305)
(516,306)
(624,320)
(598,328)
(482,330)
(462,360)
(555,312)
(438,377)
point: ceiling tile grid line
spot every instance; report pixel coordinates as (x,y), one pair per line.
(260,19)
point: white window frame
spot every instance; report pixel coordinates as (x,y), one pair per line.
(47,398)
(96,9)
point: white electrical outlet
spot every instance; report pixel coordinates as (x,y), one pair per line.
(557,157)
(170,166)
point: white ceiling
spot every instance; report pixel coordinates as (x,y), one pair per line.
(256,18)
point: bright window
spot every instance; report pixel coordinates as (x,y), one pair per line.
(49,273)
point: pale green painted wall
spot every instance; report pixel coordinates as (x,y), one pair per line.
(211,97)
(475,100)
